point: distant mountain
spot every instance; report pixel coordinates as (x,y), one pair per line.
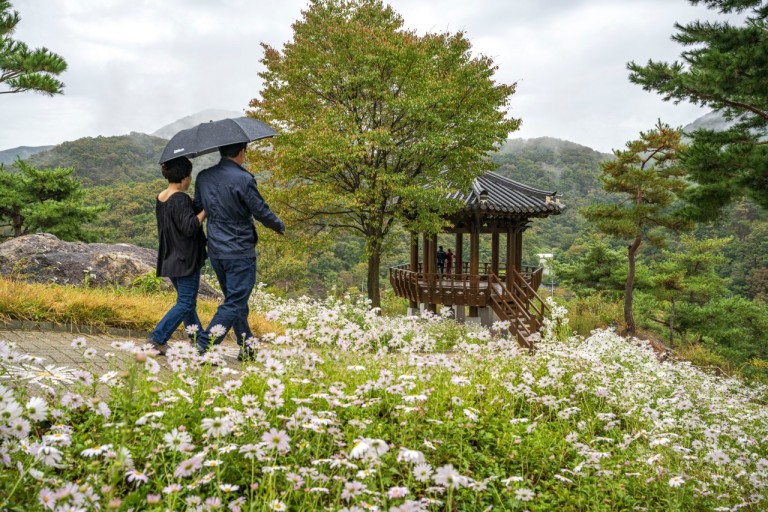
(9,156)
(169,130)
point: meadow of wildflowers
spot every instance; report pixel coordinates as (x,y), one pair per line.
(345,410)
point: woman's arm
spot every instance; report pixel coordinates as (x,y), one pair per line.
(184,214)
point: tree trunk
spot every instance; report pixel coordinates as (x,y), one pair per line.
(629,289)
(672,324)
(18,221)
(374,263)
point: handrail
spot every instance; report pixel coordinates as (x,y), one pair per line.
(531,294)
(501,298)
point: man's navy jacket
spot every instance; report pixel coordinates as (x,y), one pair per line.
(228,194)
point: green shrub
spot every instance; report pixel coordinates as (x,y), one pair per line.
(148,283)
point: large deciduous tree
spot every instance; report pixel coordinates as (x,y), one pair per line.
(724,67)
(649,179)
(21,68)
(378,123)
(43,200)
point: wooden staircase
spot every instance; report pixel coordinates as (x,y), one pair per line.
(519,304)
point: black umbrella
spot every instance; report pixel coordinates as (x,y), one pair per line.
(208,137)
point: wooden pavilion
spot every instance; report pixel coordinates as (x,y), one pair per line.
(496,290)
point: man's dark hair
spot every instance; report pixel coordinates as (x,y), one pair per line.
(177,169)
(232,150)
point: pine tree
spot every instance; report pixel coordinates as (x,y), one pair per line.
(689,277)
(23,69)
(380,124)
(724,67)
(647,176)
(43,200)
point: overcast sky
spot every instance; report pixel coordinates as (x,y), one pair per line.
(136,65)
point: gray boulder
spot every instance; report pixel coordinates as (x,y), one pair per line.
(43,258)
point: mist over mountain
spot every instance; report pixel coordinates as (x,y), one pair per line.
(713,121)
(169,130)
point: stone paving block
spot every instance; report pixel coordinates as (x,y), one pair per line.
(55,347)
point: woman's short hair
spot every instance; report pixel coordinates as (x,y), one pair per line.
(177,169)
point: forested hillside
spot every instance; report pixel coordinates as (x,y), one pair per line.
(107,160)
(110,161)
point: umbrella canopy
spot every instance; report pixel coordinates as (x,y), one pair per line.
(208,137)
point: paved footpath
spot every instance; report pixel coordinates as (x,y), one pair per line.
(54,344)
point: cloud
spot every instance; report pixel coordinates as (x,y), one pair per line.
(138,65)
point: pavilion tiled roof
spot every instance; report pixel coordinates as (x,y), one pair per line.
(494,193)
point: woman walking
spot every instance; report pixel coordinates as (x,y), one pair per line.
(181,254)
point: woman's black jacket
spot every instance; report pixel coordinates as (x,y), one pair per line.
(181,237)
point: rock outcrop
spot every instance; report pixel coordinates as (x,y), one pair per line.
(43,258)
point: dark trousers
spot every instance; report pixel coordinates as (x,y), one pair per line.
(236,278)
(183,311)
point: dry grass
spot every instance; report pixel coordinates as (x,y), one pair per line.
(99,308)
(594,312)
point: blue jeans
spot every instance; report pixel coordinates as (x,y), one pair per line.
(183,311)
(236,278)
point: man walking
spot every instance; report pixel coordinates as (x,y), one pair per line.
(228,194)
(440,259)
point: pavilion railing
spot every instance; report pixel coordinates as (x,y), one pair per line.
(464,288)
(436,288)
(485,268)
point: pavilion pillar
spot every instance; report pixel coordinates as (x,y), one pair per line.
(413,306)
(427,269)
(495,253)
(510,264)
(519,250)
(474,269)
(432,306)
(474,252)
(458,270)
(433,248)
(458,258)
